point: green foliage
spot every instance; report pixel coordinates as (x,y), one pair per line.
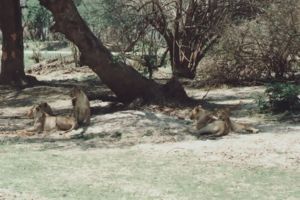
(107,17)
(113,14)
(280,97)
(92,11)
(37,18)
(262,103)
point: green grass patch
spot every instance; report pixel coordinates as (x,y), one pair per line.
(73,173)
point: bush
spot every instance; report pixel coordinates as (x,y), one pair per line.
(280,97)
(266,48)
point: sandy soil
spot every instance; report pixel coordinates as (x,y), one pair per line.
(147,132)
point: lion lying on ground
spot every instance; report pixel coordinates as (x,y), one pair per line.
(217,123)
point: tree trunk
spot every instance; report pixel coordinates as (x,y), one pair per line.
(181,68)
(12,62)
(123,80)
(185,57)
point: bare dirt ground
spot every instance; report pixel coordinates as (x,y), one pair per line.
(146,153)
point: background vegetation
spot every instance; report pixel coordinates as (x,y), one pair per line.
(260,44)
(235,42)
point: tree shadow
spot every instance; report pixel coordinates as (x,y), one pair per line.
(117,137)
(84,142)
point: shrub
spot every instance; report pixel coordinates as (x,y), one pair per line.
(266,48)
(280,97)
(36,53)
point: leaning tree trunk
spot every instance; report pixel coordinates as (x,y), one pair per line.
(123,80)
(12,62)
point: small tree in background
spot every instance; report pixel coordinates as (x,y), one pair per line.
(189,28)
(37,20)
(111,22)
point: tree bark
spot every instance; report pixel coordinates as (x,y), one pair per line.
(12,62)
(123,80)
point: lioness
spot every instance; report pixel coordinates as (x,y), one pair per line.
(45,122)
